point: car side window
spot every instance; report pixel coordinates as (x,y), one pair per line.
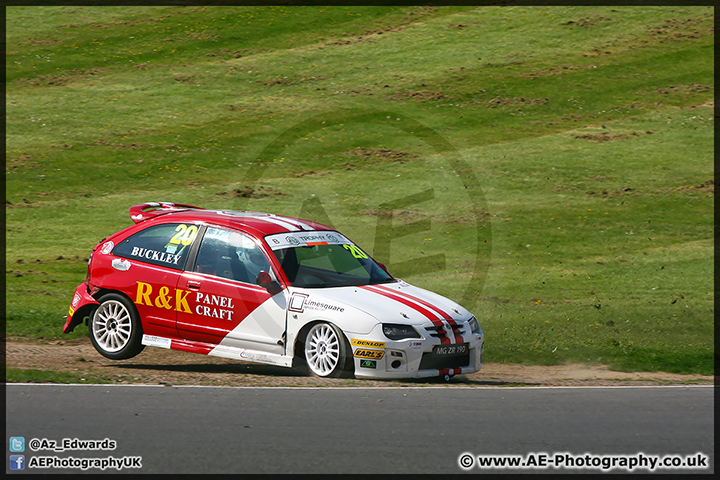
(166,245)
(232,255)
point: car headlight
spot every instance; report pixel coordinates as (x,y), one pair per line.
(474,325)
(395,331)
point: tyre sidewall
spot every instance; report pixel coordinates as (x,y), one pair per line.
(344,367)
(134,344)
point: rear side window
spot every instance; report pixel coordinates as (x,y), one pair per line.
(232,255)
(166,245)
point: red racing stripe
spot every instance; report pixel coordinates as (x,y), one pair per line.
(438,311)
(445,340)
(458,338)
(190,346)
(430,315)
(443,314)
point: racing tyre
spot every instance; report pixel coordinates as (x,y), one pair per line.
(115,329)
(326,351)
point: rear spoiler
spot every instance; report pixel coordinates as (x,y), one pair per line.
(145,211)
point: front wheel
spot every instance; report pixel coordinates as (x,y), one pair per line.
(115,329)
(326,350)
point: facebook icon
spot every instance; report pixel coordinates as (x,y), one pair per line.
(17,462)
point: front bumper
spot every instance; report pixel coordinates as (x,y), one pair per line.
(459,351)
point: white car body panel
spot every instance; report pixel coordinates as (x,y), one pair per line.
(359,312)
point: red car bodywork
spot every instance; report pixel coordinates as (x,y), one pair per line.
(222,306)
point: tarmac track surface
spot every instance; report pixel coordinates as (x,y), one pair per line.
(358,430)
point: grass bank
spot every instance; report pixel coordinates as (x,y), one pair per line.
(551,168)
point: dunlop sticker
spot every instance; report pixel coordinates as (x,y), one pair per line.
(367,343)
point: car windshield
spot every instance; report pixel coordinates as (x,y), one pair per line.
(324,259)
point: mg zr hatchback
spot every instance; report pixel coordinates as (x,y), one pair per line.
(269,289)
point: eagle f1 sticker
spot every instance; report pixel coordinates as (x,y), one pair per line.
(368,363)
(107,247)
(121,264)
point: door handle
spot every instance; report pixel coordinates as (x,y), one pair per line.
(193,284)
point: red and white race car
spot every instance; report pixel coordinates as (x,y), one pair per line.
(265,288)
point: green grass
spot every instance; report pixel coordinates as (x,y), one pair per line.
(548,167)
(19,375)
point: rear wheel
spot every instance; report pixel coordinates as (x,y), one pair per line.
(326,350)
(115,329)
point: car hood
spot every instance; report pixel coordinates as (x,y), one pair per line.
(397,302)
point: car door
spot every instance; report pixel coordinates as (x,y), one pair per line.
(225,306)
(146,267)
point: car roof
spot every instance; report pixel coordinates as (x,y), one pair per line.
(262,223)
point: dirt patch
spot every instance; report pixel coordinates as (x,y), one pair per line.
(544,72)
(227,52)
(63,78)
(131,146)
(367,36)
(421,96)
(515,102)
(621,192)
(708,186)
(352,41)
(607,136)
(677,29)
(189,79)
(285,81)
(168,367)
(683,89)
(587,21)
(251,192)
(22,162)
(342,167)
(383,154)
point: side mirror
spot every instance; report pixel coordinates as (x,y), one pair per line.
(382,265)
(264,279)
